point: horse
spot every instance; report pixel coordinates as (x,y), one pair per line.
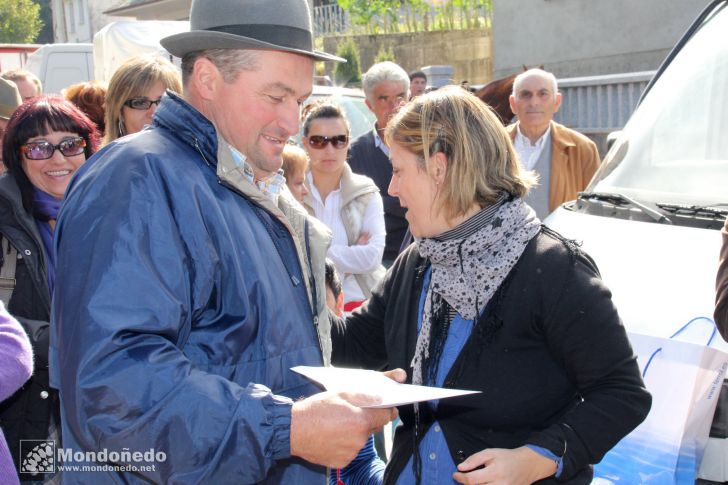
(496,93)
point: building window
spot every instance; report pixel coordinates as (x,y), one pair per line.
(70,17)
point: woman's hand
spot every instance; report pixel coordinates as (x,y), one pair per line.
(363,239)
(505,467)
(398,375)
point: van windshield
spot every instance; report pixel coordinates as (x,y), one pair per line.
(674,149)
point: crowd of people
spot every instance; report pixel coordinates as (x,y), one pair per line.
(173,255)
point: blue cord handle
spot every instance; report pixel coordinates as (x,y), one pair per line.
(680,330)
(712,335)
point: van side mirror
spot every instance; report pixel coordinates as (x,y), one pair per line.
(612,137)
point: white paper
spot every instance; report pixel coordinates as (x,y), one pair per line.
(389,392)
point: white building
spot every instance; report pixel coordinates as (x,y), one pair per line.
(78,20)
(152,9)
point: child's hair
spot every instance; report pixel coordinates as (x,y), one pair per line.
(295,160)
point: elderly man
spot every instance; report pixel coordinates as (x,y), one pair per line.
(386,87)
(29,86)
(9,101)
(564,159)
(187,287)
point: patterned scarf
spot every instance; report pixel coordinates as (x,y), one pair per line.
(469,263)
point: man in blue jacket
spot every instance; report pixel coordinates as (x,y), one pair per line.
(187,286)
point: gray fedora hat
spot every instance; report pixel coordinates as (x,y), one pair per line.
(9,98)
(282,25)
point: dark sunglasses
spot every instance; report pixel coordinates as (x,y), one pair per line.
(141,102)
(43,150)
(319,141)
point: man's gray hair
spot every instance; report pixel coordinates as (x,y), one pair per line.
(535,72)
(381,72)
(228,61)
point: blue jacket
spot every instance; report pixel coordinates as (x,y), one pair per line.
(180,307)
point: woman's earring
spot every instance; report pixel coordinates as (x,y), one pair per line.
(121,127)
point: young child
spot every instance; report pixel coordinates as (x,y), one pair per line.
(295,164)
(334,295)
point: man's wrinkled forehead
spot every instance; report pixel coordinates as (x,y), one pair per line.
(535,84)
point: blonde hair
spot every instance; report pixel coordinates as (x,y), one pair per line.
(132,79)
(295,160)
(482,162)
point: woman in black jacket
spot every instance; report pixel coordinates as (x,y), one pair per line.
(46,140)
(488,299)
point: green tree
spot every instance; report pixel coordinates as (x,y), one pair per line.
(350,71)
(19,21)
(373,15)
(360,12)
(46,16)
(385,55)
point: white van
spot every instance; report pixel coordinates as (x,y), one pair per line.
(60,65)
(652,214)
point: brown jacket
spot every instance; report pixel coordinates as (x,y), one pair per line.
(721,287)
(574,159)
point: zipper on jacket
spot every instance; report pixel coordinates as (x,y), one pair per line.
(196,144)
(268,227)
(41,288)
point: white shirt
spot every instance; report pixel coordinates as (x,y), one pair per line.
(357,259)
(379,143)
(529,152)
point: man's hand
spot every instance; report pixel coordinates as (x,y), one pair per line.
(329,428)
(512,467)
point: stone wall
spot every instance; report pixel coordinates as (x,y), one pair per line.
(468,51)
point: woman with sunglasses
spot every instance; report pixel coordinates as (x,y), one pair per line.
(134,92)
(348,203)
(46,141)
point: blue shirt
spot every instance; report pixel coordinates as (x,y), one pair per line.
(437,462)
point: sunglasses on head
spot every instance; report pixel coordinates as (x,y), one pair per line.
(43,150)
(319,141)
(141,102)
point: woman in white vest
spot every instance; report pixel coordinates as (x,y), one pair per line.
(348,203)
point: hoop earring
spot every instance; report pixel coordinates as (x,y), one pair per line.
(121,127)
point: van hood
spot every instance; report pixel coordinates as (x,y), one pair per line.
(661,276)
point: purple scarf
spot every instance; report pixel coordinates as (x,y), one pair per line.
(45,208)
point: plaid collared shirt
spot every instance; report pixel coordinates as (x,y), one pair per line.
(271,186)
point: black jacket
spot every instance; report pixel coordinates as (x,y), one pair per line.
(26,414)
(366,159)
(550,356)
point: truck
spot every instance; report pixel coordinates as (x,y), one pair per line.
(60,65)
(15,56)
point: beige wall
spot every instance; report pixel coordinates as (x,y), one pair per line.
(574,38)
(468,51)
